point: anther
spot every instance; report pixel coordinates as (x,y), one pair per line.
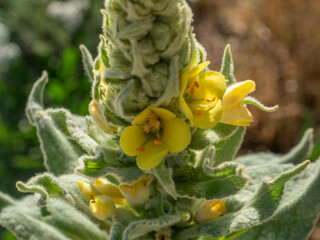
(211,99)
(140,149)
(196,83)
(157,142)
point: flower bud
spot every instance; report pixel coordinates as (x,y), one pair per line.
(109,189)
(87,190)
(102,206)
(210,210)
(139,192)
(97,115)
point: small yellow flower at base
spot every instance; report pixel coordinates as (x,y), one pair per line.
(108,189)
(137,193)
(102,206)
(153,133)
(233,112)
(200,95)
(87,190)
(210,210)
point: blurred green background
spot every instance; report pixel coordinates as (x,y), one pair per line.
(274,42)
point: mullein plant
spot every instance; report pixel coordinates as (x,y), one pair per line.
(156,157)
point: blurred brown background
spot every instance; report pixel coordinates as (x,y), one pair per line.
(275,43)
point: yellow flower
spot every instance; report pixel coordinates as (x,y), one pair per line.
(102,196)
(102,206)
(110,190)
(233,112)
(210,210)
(137,193)
(200,95)
(87,190)
(154,133)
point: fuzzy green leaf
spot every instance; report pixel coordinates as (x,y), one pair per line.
(258,208)
(227,149)
(223,181)
(59,221)
(296,214)
(204,138)
(142,227)
(296,155)
(164,177)
(60,153)
(121,219)
(227,67)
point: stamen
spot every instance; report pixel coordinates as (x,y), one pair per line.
(211,99)
(92,199)
(157,142)
(140,149)
(148,128)
(192,91)
(199,112)
(196,83)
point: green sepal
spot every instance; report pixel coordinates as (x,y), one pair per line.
(227,67)
(259,207)
(103,52)
(87,62)
(258,104)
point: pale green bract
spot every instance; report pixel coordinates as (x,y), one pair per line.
(144,46)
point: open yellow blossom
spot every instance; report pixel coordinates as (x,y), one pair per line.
(233,111)
(210,210)
(102,206)
(154,133)
(137,193)
(200,95)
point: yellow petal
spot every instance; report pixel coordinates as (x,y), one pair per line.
(163,113)
(87,189)
(208,117)
(102,207)
(151,156)
(185,109)
(142,118)
(210,84)
(235,93)
(239,116)
(176,134)
(132,138)
(210,210)
(108,189)
(198,69)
